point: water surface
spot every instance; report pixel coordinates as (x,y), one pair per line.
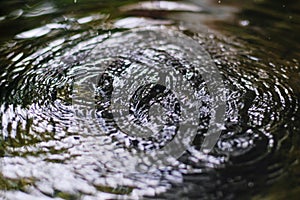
(82,100)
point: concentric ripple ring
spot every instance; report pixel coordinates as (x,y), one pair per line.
(170,64)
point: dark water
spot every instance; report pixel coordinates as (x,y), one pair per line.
(149,100)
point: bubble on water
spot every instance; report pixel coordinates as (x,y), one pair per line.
(244,22)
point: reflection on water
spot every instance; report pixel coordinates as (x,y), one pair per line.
(53,147)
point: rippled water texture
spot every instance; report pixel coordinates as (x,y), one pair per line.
(155,99)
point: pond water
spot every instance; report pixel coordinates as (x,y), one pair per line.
(149,99)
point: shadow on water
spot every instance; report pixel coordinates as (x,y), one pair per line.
(66,69)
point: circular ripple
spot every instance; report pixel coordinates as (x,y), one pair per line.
(155,90)
(256,148)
